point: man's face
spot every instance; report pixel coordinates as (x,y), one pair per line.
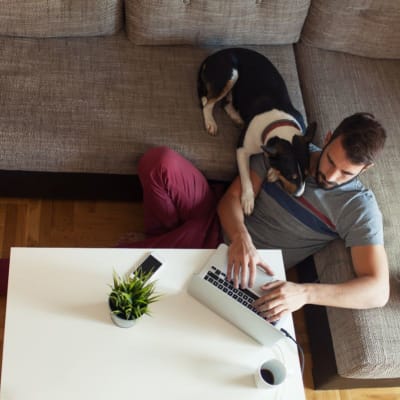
(334,168)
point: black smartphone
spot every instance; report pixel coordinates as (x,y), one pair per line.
(151,264)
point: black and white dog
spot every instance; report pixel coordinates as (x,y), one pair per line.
(255,96)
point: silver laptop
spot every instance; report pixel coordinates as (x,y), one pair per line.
(211,288)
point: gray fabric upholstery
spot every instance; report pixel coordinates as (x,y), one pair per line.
(44,18)
(211,22)
(368,28)
(96,104)
(335,85)
(366,343)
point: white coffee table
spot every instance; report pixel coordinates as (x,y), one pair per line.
(60,343)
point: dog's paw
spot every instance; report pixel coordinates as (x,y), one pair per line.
(272,175)
(211,127)
(247,203)
(238,121)
(209,121)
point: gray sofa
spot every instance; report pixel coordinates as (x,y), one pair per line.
(87,86)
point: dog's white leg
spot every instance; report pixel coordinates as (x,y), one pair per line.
(232,112)
(208,104)
(247,198)
(209,121)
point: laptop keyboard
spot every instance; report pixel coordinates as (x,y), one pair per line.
(243,296)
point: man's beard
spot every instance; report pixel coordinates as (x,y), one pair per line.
(323,183)
(320,178)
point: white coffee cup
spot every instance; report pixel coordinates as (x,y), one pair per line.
(270,374)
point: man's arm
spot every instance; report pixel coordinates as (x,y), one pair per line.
(242,255)
(368,290)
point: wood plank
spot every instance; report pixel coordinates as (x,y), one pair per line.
(32,227)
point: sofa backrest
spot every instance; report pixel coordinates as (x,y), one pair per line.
(369,28)
(214,22)
(57,18)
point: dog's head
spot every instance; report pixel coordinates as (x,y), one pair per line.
(290,161)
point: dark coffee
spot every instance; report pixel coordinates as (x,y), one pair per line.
(268,376)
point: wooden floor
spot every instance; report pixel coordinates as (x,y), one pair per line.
(49,223)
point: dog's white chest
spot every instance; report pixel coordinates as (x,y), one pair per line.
(254,133)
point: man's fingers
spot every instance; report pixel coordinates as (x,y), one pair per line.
(252,273)
(264,301)
(272,285)
(235,282)
(243,260)
(229,269)
(243,278)
(236,271)
(262,264)
(268,305)
(242,269)
(277,315)
(273,313)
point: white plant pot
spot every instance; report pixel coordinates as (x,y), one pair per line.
(121,322)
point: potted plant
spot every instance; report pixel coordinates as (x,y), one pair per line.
(130,297)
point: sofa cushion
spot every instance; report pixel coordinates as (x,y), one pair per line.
(335,85)
(43,18)
(233,22)
(95,105)
(366,342)
(367,28)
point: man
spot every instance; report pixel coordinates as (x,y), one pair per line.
(335,204)
(180,211)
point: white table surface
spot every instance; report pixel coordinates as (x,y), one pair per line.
(60,343)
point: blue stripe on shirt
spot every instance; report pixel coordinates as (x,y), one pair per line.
(290,204)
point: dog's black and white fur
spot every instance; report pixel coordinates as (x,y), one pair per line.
(255,96)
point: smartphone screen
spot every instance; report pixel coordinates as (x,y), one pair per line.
(150,264)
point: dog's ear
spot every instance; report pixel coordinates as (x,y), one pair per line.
(273,147)
(271,150)
(302,153)
(300,147)
(310,132)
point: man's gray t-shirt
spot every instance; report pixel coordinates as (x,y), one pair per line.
(302,226)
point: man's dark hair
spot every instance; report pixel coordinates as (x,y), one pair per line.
(363,137)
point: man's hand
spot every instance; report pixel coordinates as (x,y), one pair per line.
(282,298)
(243,259)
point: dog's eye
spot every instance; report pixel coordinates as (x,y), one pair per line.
(295,176)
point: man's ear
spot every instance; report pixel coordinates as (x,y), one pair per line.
(328,137)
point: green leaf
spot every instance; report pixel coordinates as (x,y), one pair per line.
(131,296)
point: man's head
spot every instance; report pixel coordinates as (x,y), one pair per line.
(350,150)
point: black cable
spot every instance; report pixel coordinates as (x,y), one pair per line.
(302,361)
